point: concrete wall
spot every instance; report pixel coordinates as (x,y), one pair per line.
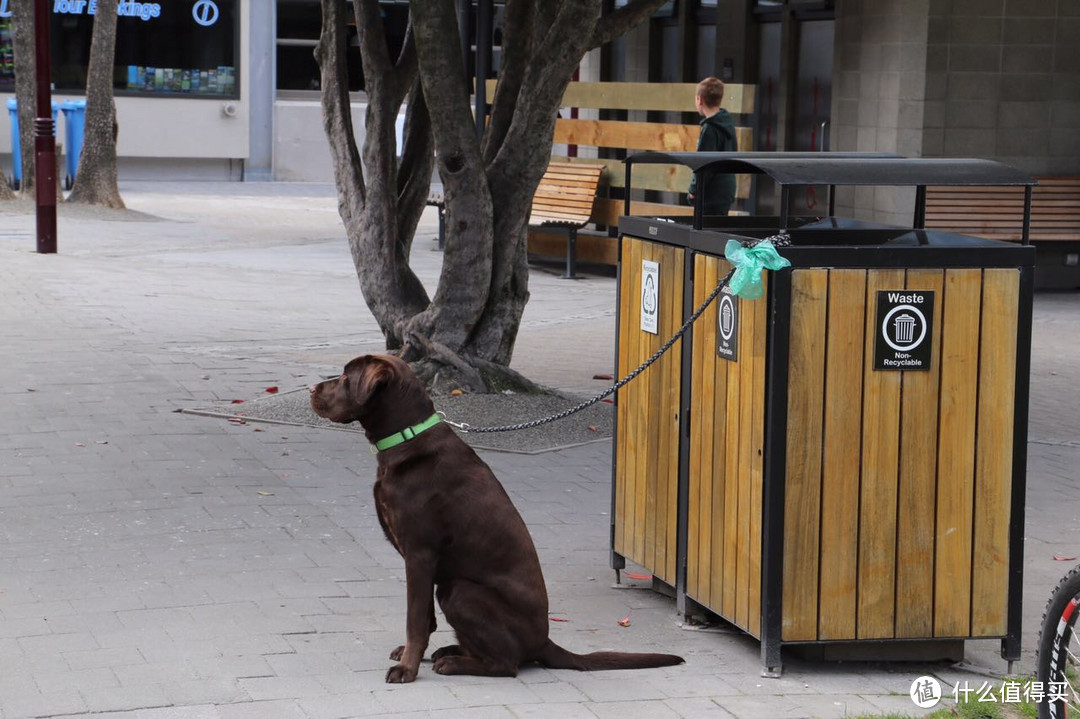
(996,79)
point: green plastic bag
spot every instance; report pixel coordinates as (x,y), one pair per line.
(749,263)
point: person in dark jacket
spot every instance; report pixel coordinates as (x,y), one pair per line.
(717,134)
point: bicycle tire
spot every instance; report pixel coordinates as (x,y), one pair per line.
(1058,658)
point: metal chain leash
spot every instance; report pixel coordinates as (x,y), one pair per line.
(465,427)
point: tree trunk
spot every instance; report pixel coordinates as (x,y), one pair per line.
(22,26)
(464,336)
(95,181)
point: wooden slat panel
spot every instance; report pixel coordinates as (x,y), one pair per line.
(993,471)
(699,481)
(674,97)
(608,212)
(745,377)
(843,427)
(660,136)
(648,421)
(997,212)
(590,247)
(956,452)
(627,458)
(802,513)
(726,436)
(877,495)
(758,311)
(735,431)
(666,178)
(918,472)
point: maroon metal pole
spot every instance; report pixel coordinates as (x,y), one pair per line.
(44,134)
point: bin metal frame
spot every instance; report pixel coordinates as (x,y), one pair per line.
(825,243)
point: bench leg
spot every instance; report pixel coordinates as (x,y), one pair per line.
(442,227)
(571,255)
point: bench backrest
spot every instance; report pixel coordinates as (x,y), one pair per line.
(635,136)
(997,213)
(565,195)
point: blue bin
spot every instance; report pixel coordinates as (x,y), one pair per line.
(74,128)
(16,148)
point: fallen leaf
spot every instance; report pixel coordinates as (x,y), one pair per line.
(31,389)
(80,444)
(593,428)
(625,621)
(259,430)
(265,494)
(602,376)
(206,376)
(608,400)
(237,420)
(456,392)
(237,401)
(101,441)
(272,390)
(634,575)
(1064,559)
(558,619)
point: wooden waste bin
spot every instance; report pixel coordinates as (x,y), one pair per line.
(841,461)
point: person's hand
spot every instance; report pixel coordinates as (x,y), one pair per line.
(690,197)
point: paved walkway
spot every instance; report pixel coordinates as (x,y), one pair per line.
(157,564)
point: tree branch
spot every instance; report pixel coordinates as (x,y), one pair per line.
(622,20)
(518,23)
(337,110)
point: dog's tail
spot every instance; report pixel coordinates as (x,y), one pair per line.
(553,656)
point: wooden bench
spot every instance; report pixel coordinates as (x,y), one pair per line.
(581,141)
(997,213)
(564,199)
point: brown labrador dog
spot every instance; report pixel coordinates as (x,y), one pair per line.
(460,536)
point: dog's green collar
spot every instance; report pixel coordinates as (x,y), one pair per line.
(406,434)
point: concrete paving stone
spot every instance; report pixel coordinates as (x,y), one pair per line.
(429,692)
(631,710)
(900,704)
(29,702)
(230,665)
(53,644)
(206,711)
(616,686)
(698,708)
(566,710)
(797,707)
(271,688)
(331,642)
(495,693)
(262,710)
(112,699)
(102,677)
(203,691)
(341,705)
(103,658)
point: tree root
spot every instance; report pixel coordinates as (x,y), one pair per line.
(444,370)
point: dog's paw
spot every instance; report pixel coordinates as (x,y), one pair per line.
(451,650)
(445,665)
(400,674)
(395,656)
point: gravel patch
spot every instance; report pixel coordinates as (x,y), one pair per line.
(593,424)
(77,211)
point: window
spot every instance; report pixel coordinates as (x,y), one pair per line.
(180,47)
(299,23)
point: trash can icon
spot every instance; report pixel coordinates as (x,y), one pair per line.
(16,149)
(74,128)
(904,329)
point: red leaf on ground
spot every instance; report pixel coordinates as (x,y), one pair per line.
(558,619)
(237,420)
(272,390)
(237,401)
(634,575)
(1064,559)
(625,621)
(593,428)
(602,376)
(608,400)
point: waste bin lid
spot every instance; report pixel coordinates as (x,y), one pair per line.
(837,168)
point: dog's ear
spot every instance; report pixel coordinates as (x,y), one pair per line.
(365,379)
